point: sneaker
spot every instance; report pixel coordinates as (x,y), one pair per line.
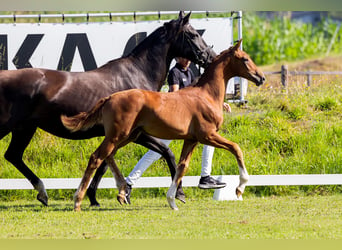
(128,193)
(208,182)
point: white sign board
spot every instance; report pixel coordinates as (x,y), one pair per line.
(85,46)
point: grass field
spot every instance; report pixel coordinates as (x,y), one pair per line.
(287,217)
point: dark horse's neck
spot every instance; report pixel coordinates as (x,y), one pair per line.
(152,55)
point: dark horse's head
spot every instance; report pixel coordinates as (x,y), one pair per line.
(187,42)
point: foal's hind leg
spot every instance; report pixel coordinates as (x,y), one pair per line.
(120,180)
(220,142)
(96,159)
(156,145)
(14,154)
(188,148)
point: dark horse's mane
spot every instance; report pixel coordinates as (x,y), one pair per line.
(157,34)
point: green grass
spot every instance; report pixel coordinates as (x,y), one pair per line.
(288,217)
(297,131)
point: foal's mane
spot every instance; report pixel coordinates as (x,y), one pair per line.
(225,53)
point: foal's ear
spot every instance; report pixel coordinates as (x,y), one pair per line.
(238,44)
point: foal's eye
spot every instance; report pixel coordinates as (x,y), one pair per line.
(245,59)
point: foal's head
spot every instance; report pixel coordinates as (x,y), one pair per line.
(240,64)
(188,42)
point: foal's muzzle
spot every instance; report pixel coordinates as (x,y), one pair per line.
(261,79)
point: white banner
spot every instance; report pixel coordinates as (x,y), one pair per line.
(85,46)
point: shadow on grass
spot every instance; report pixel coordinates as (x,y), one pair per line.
(138,204)
(69,207)
(34,208)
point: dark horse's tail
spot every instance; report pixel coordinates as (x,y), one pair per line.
(85,120)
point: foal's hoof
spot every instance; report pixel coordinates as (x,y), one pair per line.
(43,198)
(238,192)
(122,199)
(172,203)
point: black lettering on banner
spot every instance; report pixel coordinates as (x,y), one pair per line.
(3,52)
(79,40)
(133,41)
(21,59)
(72,41)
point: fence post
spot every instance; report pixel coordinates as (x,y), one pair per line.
(284,75)
(309,78)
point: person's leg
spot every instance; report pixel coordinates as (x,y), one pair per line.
(143,164)
(207,158)
(206,180)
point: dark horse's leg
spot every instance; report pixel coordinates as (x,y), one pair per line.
(150,143)
(91,191)
(20,139)
(4,131)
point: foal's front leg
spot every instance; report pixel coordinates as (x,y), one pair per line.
(188,148)
(220,142)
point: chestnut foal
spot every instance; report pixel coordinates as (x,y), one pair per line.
(193,114)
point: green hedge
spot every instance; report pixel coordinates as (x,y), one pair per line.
(282,39)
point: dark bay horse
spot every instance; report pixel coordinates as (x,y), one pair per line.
(36,98)
(196,117)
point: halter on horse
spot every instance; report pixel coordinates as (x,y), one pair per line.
(197,116)
(35,98)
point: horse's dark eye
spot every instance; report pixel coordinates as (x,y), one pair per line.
(245,59)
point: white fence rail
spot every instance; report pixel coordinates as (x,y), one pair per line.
(227,193)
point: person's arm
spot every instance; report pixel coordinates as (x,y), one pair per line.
(173,80)
(174,87)
(226,107)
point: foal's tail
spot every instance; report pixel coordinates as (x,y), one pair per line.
(85,120)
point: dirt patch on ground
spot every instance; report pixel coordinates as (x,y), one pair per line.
(329,63)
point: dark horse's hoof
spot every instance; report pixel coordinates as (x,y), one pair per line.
(180,195)
(92,199)
(95,204)
(128,193)
(43,199)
